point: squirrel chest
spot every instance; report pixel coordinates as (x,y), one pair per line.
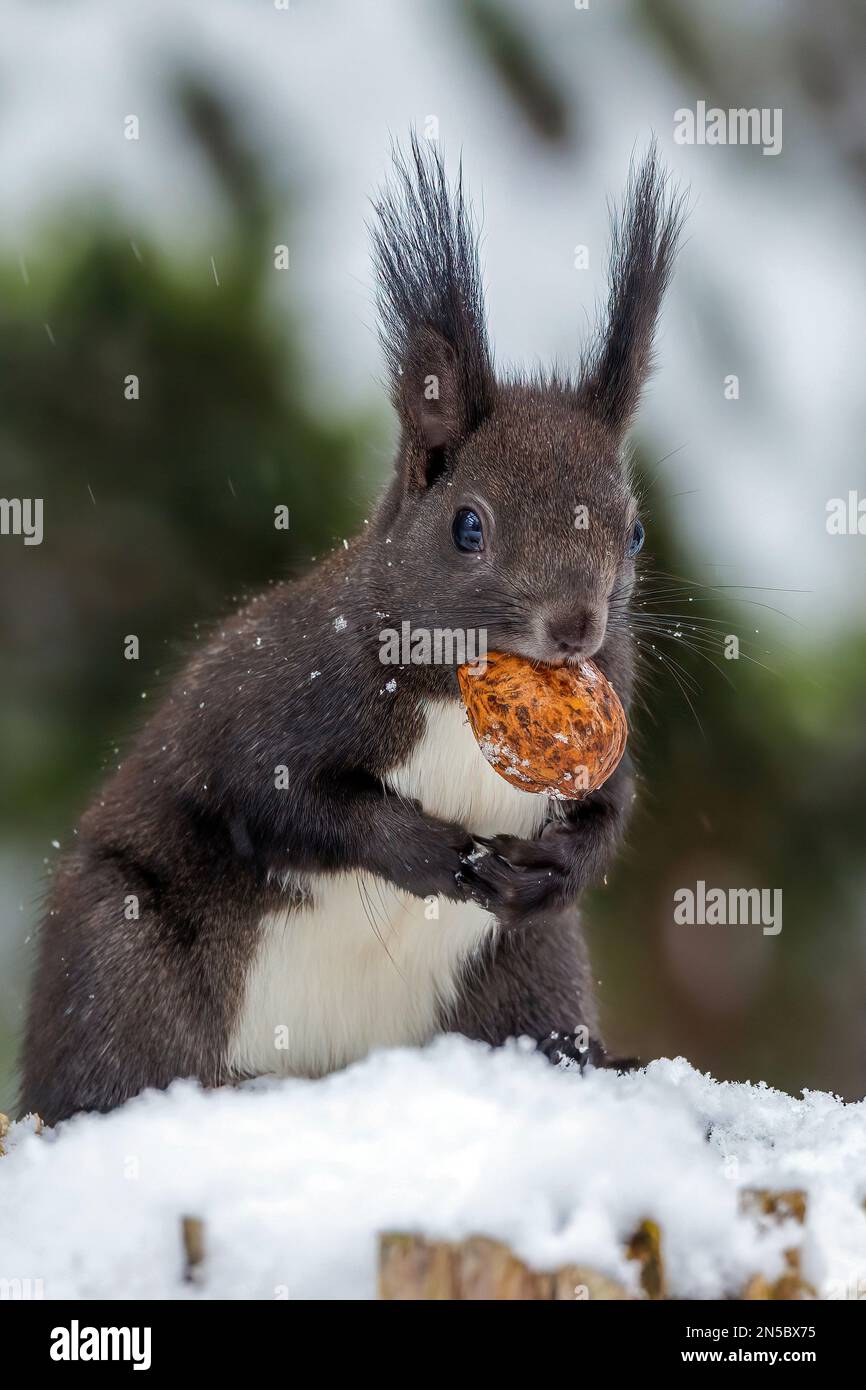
(364,964)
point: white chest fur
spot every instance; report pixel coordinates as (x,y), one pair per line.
(367,965)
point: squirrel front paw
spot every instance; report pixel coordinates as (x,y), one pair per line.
(518,879)
(515,879)
(432,861)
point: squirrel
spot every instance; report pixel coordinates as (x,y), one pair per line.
(305,855)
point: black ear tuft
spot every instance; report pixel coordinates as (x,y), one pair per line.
(431,306)
(643,246)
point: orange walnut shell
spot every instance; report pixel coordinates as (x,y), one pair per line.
(554,729)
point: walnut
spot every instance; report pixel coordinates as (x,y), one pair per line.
(554,729)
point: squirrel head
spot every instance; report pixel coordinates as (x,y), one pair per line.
(511,508)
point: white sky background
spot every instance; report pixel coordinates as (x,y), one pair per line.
(770,283)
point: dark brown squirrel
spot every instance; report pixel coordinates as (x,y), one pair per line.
(305,855)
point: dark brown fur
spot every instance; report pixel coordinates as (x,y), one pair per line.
(192,823)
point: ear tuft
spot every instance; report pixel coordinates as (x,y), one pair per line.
(643,245)
(431,305)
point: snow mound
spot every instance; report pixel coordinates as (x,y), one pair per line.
(294,1179)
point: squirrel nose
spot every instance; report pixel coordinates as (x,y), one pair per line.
(578,633)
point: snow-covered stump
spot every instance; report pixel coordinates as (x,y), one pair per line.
(412,1268)
(779,1210)
(509,1178)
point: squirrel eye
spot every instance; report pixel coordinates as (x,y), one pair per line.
(637,539)
(467,530)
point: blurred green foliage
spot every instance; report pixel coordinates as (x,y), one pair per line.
(160,511)
(520,66)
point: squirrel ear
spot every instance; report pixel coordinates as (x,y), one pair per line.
(432,392)
(431,308)
(643,245)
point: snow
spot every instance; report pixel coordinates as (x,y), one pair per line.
(294,1178)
